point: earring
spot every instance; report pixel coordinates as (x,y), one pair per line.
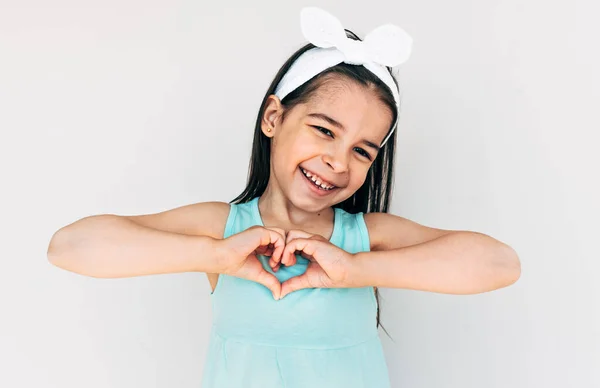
(268,129)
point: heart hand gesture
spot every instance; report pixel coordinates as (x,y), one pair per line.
(329,266)
(237,255)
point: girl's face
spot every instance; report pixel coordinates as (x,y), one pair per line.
(322,151)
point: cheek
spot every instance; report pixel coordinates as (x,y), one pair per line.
(356,181)
(299,149)
(358,175)
(287,155)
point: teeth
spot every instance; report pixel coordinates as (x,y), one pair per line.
(316,180)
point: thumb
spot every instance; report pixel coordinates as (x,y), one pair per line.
(294,284)
(271,282)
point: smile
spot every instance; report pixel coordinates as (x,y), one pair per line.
(317,181)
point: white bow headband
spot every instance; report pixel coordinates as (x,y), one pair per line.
(387,45)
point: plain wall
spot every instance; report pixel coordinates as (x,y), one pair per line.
(132,107)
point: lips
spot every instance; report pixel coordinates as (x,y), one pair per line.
(314,190)
(317,180)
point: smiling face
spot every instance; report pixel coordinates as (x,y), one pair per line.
(322,150)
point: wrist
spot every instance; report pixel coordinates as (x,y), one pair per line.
(360,272)
(209,254)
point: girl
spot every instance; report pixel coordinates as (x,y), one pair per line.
(295,259)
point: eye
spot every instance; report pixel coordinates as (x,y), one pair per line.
(323,130)
(363,153)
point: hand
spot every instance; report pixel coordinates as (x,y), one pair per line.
(329,265)
(236,255)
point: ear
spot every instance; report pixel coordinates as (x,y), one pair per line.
(271,115)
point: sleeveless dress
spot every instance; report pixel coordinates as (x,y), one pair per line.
(312,338)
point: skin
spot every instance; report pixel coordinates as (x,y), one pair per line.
(403,253)
(338,155)
(416,256)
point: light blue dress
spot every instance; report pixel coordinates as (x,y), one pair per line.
(312,338)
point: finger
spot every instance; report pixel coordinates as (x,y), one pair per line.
(280,231)
(276,256)
(295,233)
(292,259)
(271,282)
(266,250)
(306,255)
(305,247)
(257,239)
(275,260)
(274,264)
(285,256)
(289,258)
(277,239)
(289,253)
(318,237)
(294,284)
(269,250)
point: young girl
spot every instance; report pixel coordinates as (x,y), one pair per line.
(295,259)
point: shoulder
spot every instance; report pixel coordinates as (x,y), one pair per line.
(202,218)
(388,231)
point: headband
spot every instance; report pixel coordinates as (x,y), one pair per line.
(387,45)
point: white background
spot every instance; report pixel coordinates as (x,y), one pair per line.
(131,107)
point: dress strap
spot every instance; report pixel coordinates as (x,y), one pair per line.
(229,226)
(364,231)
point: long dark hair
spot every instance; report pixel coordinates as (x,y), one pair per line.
(375,194)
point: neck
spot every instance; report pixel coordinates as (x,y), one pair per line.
(277,210)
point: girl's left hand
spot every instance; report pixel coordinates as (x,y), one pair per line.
(329,266)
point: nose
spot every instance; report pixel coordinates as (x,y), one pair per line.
(337,159)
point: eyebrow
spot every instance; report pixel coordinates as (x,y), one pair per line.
(339,125)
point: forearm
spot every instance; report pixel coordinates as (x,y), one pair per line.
(109,246)
(457,263)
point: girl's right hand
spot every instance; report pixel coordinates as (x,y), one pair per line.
(237,255)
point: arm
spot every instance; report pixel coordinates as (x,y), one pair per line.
(413,256)
(112,246)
